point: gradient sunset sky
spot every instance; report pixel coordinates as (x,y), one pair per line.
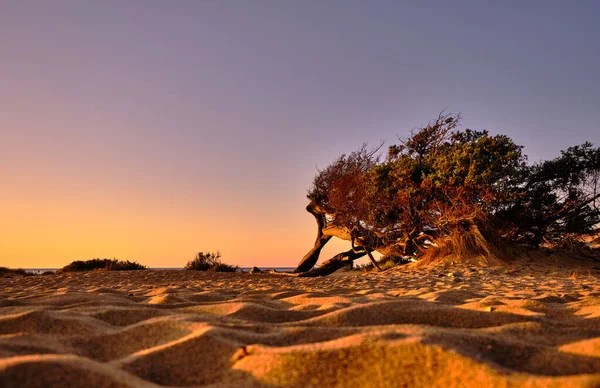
(151,130)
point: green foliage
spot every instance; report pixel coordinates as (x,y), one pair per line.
(209,261)
(559,200)
(101,264)
(442,180)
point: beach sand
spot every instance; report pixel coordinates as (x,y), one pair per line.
(454,325)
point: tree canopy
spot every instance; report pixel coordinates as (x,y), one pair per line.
(443,184)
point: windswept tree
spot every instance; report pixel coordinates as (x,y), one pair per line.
(454,191)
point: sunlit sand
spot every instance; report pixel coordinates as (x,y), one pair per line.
(453,325)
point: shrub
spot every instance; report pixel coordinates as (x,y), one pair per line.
(209,261)
(10,272)
(101,264)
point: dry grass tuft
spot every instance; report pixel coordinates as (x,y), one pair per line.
(469,243)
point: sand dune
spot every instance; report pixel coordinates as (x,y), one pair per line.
(452,326)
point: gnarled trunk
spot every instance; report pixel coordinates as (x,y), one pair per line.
(362,245)
(311,258)
(338,261)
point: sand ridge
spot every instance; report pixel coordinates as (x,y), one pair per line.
(455,325)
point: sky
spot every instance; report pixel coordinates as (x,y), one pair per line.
(151,130)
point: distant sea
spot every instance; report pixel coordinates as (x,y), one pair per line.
(245,269)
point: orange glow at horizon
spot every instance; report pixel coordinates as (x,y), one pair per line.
(50,220)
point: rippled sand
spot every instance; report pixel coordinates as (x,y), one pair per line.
(452,326)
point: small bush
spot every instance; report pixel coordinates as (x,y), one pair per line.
(101,264)
(10,272)
(209,261)
(204,261)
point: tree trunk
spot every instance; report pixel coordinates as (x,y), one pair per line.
(311,258)
(326,232)
(336,262)
(373,261)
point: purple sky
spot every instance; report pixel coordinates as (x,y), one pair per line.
(150,130)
